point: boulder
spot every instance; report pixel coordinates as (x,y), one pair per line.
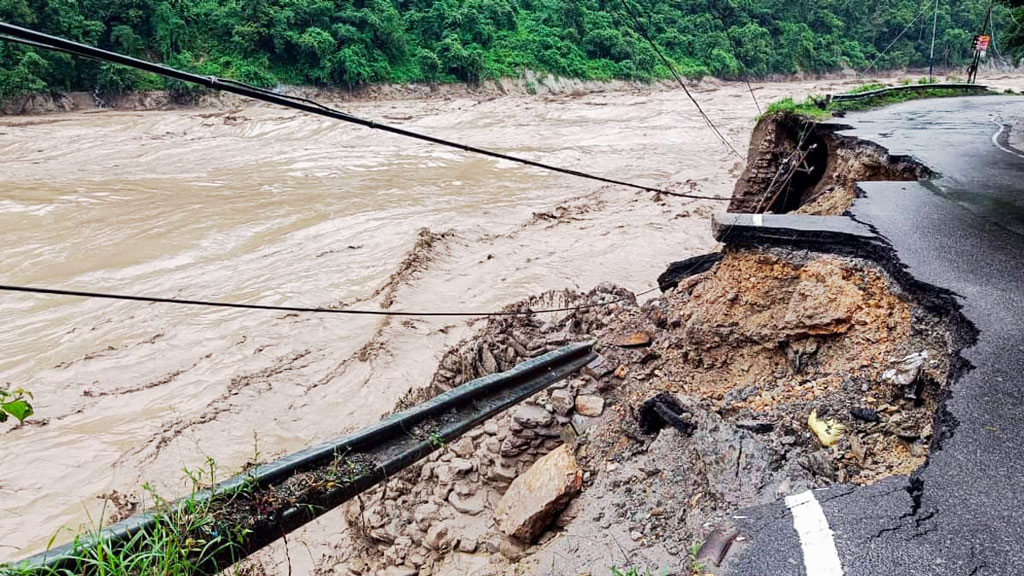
(538,495)
(589,405)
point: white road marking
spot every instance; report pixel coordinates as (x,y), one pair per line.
(758,220)
(820,555)
(995,139)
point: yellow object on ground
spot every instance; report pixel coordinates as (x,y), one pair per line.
(828,431)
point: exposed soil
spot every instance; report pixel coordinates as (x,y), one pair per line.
(796,165)
(747,350)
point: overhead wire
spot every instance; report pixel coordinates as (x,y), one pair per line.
(36,39)
(897,39)
(301,309)
(645,34)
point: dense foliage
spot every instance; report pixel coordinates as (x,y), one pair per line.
(352,42)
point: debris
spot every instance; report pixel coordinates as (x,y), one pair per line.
(735,462)
(597,368)
(472,504)
(677,271)
(857,448)
(906,376)
(828,431)
(562,401)
(634,340)
(537,496)
(531,416)
(755,426)
(589,405)
(621,372)
(865,414)
(665,409)
(716,546)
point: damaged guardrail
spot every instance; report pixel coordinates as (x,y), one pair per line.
(907,88)
(279,497)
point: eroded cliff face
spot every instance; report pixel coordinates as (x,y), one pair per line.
(743,354)
(795,165)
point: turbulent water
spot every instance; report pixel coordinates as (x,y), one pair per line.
(263,205)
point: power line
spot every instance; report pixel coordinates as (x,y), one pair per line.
(644,33)
(900,35)
(298,309)
(756,103)
(40,40)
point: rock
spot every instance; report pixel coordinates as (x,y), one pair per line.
(634,340)
(444,474)
(537,496)
(756,426)
(562,401)
(492,445)
(461,465)
(636,536)
(512,549)
(491,427)
(736,463)
(487,361)
(865,414)
(401,571)
(504,473)
(598,367)
(424,515)
(472,504)
(621,372)
(589,405)
(468,545)
(463,447)
(531,416)
(437,536)
(716,546)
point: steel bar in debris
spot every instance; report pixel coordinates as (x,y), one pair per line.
(907,88)
(374,454)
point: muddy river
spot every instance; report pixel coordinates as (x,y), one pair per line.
(261,205)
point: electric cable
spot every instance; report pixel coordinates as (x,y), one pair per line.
(36,39)
(644,33)
(897,39)
(298,309)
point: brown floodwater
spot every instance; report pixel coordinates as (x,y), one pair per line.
(263,205)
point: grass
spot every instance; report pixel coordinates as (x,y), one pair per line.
(817,107)
(185,540)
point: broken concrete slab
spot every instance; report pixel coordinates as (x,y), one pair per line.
(537,496)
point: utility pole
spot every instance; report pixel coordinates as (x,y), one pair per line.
(931,56)
(972,72)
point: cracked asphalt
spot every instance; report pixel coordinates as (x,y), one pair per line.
(963,513)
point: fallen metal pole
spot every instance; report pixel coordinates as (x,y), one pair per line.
(311,482)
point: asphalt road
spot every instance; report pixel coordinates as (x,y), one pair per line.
(963,514)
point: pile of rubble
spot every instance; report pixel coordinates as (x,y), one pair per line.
(773,372)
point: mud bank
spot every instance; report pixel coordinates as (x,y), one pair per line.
(530,83)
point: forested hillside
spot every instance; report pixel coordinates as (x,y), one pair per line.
(352,42)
